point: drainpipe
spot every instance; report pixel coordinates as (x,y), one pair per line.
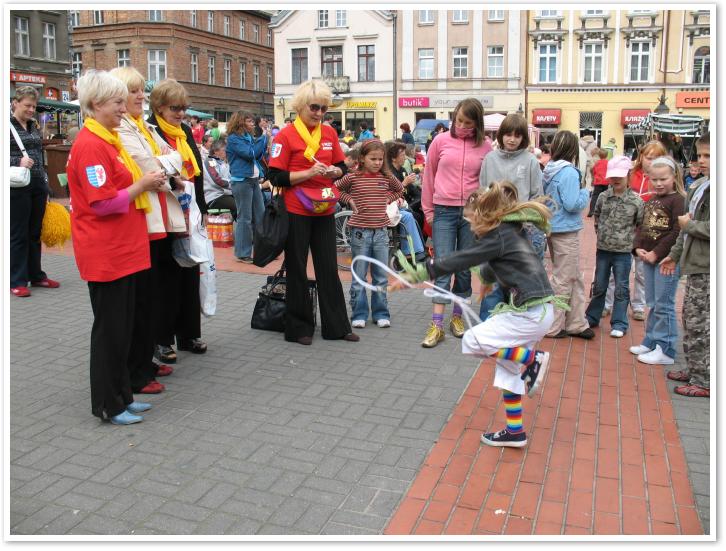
(394,13)
(526,64)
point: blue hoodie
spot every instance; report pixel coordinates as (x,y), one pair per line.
(242,151)
(561,181)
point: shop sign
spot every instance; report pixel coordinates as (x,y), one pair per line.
(633,116)
(546,116)
(452,101)
(51,93)
(419,101)
(361,104)
(693,100)
(66,95)
(26,77)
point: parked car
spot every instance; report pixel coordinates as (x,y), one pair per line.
(424,127)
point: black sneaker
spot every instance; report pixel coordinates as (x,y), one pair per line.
(504,438)
(586,334)
(534,373)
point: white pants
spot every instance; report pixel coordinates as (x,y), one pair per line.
(508,330)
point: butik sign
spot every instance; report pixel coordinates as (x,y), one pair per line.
(418,101)
(633,116)
(546,116)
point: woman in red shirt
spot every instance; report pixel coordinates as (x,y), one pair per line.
(110,242)
(599,181)
(305,159)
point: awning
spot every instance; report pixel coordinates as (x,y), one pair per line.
(53,106)
(201,114)
(633,116)
(546,116)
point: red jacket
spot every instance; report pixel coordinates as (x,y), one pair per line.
(598,173)
(640,184)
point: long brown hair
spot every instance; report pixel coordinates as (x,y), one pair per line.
(472,109)
(485,208)
(236,124)
(369,146)
(565,145)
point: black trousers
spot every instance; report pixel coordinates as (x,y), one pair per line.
(27,208)
(596,191)
(113,304)
(178,290)
(317,235)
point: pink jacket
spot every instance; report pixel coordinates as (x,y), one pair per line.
(452,172)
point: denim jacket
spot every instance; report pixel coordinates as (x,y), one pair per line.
(242,152)
(507,257)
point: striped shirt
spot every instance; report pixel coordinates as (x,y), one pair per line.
(371,193)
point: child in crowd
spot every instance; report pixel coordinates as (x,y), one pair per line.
(504,254)
(617,212)
(653,241)
(368,191)
(692,252)
(217,188)
(599,181)
(352,157)
(694,173)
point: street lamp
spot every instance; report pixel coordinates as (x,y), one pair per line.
(662,108)
(520,111)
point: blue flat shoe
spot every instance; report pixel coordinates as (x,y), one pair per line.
(138,407)
(126,418)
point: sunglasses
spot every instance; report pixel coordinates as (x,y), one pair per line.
(314,107)
(177,108)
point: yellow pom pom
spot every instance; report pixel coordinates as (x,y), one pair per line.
(56,228)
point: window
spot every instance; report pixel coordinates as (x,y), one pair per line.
(76,64)
(341,18)
(639,61)
(495,61)
(157,65)
(155,15)
(460,16)
(426,17)
(194,60)
(210,21)
(269,78)
(594,13)
(332,61)
(269,37)
(227,22)
(49,40)
(256,33)
(366,63)
(228,72)
(548,63)
(461,62)
(549,13)
(593,63)
(212,70)
(256,76)
(22,39)
(242,74)
(322,19)
(242,25)
(426,63)
(496,15)
(222,116)
(123,58)
(75,17)
(98,17)
(193,18)
(299,65)
(702,65)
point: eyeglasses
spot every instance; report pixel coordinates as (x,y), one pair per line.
(314,107)
(177,108)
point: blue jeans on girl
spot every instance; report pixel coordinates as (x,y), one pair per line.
(619,264)
(661,326)
(374,244)
(452,233)
(250,208)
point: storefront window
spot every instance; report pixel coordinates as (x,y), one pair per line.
(354,118)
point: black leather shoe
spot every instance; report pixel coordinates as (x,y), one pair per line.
(195,346)
(165,354)
(586,334)
(561,335)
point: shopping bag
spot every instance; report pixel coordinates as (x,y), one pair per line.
(208,283)
(191,250)
(270,236)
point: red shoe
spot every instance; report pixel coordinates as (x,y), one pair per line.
(20,291)
(164,370)
(47,283)
(154,387)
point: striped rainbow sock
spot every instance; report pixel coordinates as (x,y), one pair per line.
(518,354)
(513,410)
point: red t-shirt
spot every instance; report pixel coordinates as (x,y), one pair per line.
(198,134)
(106,247)
(286,153)
(598,173)
(640,184)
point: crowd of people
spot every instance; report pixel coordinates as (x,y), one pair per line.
(491,204)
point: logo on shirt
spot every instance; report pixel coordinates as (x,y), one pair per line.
(327,146)
(276,150)
(96,175)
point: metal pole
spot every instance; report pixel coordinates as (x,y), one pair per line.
(395,75)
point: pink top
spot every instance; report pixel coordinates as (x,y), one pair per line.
(115,205)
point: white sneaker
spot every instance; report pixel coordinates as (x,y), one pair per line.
(656,357)
(617,333)
(640,349)
(358,324)
(383,323)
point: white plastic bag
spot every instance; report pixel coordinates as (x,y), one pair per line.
(192,250)
(208,283)
(394,214)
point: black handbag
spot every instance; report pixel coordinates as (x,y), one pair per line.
(271,234)
(269,311)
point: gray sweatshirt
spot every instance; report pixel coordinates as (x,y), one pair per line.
(519,167)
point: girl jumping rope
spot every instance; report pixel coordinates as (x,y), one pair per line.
(505,256)
(368,191)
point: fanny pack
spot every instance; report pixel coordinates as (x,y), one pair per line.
(317,200)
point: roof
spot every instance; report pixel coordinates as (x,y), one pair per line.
(282,15)
(201,114)
(54,106)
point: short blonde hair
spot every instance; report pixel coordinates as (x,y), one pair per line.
(309,92)
(98,87)
(130,77)
(25,92)
(167,92)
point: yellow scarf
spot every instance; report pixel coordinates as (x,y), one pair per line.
(190,168)
(142,201)
(312,141)
(139,122)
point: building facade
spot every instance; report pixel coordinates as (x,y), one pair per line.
(223,58)
(351,50)
(445,56)
(597,71)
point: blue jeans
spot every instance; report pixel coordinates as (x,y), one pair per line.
(451,233)
(619,264)
(374,244)
(250,207)
(407,227)
(661,327)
